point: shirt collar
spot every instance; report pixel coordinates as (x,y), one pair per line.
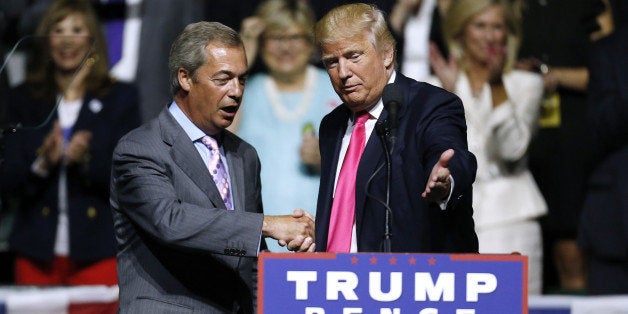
(193,132)
(376,110)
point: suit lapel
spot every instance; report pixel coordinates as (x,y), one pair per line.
(374,154)
(85,116)
(187,158)
(337,147)
(236,171)
(372,157)
(332,130)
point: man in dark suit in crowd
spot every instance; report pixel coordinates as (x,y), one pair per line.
(432,170)
(185,245)
(603,232)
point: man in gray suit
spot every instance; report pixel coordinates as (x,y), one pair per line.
(180,247)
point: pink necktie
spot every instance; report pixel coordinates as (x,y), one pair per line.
(343,208)
(217,170)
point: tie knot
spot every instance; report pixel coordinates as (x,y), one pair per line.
(210,142)
(361,117)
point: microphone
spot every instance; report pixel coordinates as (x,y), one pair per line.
(392,97)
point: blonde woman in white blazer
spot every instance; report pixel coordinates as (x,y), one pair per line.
(501,107)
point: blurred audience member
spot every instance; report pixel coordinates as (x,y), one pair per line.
(420,22)
(9,10)
(501,107)
(603,231)
(139,34)
(57,166)
(558,153)
(282,106)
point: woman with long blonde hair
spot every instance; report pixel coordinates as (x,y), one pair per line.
(501,108)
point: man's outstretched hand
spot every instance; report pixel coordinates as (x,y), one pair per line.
(439,182)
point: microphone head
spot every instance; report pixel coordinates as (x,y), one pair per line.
(392,96)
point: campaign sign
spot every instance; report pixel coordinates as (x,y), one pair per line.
(392,283)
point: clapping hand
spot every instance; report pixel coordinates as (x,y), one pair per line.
(51,149)
(445,69)
(78,147)
(309,153)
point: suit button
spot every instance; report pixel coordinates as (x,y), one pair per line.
(91,212)
(45,211)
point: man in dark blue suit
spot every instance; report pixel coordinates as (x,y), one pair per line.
(603,232)
(432,170)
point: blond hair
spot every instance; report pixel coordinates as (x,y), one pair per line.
(344,22)
(282,14)
(461,12)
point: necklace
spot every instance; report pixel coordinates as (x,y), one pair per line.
(280,110)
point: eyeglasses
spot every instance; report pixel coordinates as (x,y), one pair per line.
(286,39)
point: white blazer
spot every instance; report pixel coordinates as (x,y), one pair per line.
(504,190)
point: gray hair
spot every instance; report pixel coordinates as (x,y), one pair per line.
(188,50)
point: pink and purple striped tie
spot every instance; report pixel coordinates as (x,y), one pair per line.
(217,170)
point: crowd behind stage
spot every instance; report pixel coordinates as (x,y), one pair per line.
(557,155)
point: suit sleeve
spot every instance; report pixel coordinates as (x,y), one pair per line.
(608,92)
(143,190)
(445,128)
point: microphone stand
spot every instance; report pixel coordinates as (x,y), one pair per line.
(382,132)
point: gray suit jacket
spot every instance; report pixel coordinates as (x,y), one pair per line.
(179,249)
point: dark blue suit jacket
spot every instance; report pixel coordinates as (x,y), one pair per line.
(431,120)
(107,117)
(604,224)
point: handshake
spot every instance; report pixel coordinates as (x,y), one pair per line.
(296,230)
